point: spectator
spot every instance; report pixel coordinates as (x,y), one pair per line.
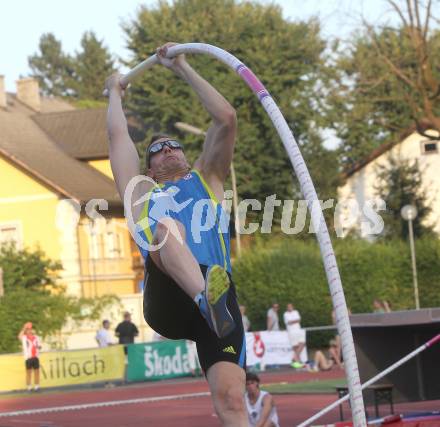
(297,336)
(381,306)
(103,337)
(322,363)
(335,344)
(192,357)
(244,318)
(126,331)
(31,346)
(386,306)
(377,307)
(259,404)
(273,323)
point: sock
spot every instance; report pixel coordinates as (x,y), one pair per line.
(36,387)
(29,387)
(198,298)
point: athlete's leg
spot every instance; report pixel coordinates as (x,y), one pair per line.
(227,384)
(175,258)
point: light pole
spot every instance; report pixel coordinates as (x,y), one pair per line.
(409,213)
(197,131)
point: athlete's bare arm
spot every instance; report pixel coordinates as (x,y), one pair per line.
(124,158)
(215,161)
(267,408)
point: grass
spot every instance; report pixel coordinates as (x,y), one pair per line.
(314,386)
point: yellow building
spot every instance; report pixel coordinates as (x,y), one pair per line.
(53,164)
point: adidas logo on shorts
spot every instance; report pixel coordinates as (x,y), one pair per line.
(229,349)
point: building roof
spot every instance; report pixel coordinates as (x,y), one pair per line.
(423,127)
(33,149)
(80,133)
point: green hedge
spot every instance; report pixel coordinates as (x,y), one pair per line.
(291,270)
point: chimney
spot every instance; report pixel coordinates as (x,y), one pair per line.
(2,92)
(28,93)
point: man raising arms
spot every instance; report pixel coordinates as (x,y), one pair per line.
(188,292)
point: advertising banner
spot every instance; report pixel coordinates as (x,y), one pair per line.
(269,348)
(58,368)
(158,360)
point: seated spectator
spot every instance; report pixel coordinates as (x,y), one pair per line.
(322,363)
(377,306)
(386,306)
(336,349)
(273,323)
(381,306)
(244,318)
(297,336)
(259,404)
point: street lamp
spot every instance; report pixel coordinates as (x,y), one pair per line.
(197,131)
(409,213)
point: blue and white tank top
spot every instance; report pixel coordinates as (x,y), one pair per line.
(191,202)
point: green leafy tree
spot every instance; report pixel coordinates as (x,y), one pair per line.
(80,78)
(386,80)
(400,183)
(286,56)
(32,293)
(291,270)
(93,64)
(51,66)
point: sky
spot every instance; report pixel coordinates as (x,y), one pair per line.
(23,22)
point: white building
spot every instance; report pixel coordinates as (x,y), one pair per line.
(360,181)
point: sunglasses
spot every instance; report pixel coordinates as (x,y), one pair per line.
(158,146)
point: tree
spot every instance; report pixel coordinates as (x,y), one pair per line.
(387,80)
(80,77)
(33,293)
(286,56)
(399,184)
(368,271)
(51,67)
(93,64)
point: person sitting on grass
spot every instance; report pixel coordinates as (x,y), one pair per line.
(322,363)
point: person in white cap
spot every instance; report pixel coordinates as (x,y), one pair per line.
(31,349)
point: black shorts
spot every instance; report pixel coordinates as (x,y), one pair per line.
(174,315)
(32,363)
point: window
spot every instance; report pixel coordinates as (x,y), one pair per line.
(94,243)
(10,233)
(105,239)
(429,147)
(94,228)
(113,240)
